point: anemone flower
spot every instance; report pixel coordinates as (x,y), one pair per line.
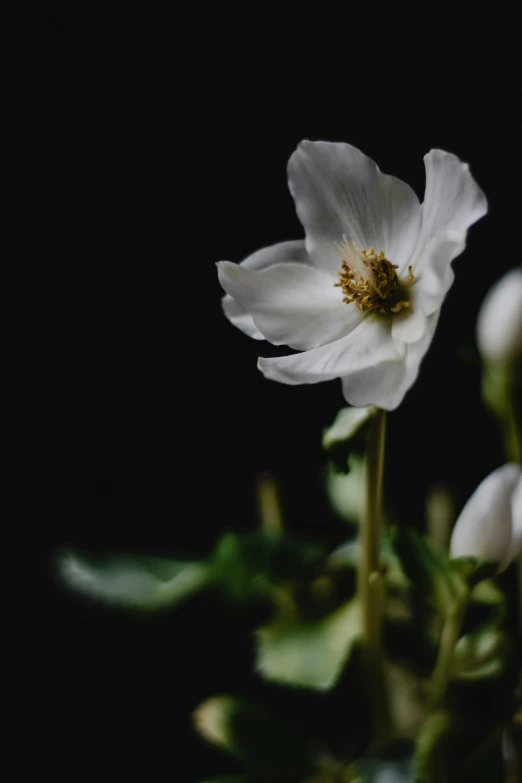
(361,295)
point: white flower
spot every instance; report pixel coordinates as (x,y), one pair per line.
(361,295)
(499,325)
(490,524)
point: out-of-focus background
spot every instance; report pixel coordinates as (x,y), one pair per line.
(153,420)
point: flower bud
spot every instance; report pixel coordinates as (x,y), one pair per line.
(499,324)
(516,510)
(490,526)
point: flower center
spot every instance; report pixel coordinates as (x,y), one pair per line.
(370,280)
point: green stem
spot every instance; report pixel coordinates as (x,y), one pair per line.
(268,503)
(519,579)
(512,429)
(513,448)
(370,581)
(501,392)
(513,440)
(448,642)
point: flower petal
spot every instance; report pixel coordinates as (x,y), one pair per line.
(293,251)
(291,304)
(434,268)
(392,381)
(452,198)
(374,385)
(364,348)
(434,278)
(283,252)
(499,323)
(339,191)
(410,324)
(240,317)
(484,526)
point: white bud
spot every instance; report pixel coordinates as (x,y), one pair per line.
(489,525)
(499,324)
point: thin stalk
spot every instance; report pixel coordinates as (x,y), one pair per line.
(370,581)
(512,434)
(448,642)
(501,392)
(519,580)
(513,448)
(269,504)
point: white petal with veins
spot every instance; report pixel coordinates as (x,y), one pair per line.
(452,199)
(281,253)
(291,304)
(386,384)
(430,286)
(339,191)
(370,343)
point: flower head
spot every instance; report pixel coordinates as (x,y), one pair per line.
(361,295)
(490,524)
(499,324)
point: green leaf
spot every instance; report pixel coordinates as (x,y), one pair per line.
(271,750)
(346,492)
(474,570)
(455,748)
(346,434)
(381,772)
(429,569)
(391,763)
(248,566)
(305,653)
(481,654)
(138,582)
(488,593)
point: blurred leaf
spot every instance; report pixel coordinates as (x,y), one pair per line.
(232,573)
(138,582)
(474,570)
(459,748)
(382,772)
(429,569)
(248,566)
(392,763)
(349,555)
(481,654)
(347,434)
(308,654)
(488,593)
(346,492)
(271,750)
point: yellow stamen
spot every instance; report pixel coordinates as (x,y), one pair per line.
(379,290)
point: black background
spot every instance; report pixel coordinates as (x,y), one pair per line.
(152,420)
